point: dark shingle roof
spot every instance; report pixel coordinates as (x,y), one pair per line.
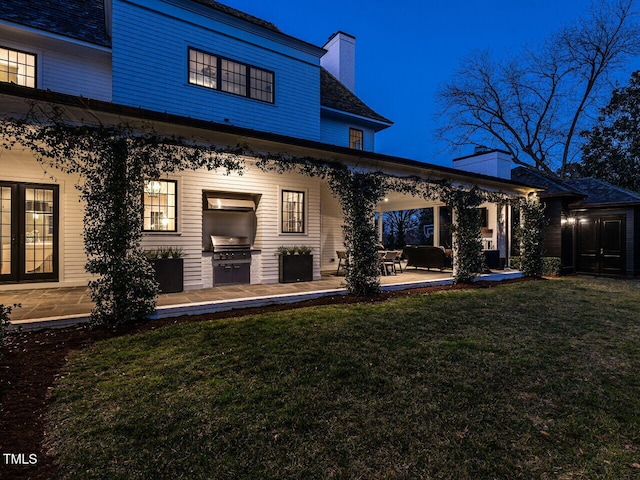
(590,191)
(333,94)
(79,19)
(601,193)
(237,13)
(552,186)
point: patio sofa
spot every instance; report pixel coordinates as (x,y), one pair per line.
(425,256)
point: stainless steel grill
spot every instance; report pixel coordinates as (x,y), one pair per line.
(231,260)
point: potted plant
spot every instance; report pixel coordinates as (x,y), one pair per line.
(296,264)
(169,267)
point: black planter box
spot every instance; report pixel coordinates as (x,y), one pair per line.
(169,274)
(296,268)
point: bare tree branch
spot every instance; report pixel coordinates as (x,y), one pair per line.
(533,104)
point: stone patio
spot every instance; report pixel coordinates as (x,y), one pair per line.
(58,307)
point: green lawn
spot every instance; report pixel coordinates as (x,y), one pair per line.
(527,380)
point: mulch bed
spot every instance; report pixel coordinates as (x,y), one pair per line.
(31,361)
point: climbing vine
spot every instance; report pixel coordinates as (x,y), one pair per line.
(530,234)
(359,193)
(112,162)
(467,240)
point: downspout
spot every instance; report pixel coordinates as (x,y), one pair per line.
(108,14)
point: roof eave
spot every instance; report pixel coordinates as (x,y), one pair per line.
(329,151)
(376,124)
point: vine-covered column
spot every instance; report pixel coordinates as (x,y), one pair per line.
(531,234)
(467,240)
(359,193)
(124,288)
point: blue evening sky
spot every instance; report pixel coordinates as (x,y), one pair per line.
(406,49)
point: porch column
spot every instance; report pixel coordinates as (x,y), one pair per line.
(454,244)
(502,226)
(380,226)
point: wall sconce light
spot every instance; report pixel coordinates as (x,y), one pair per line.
(153,188)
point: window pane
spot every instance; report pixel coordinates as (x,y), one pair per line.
(160,205)
(17,67)
(261,85)
(203,69)
(292,212)
(5,230)
(39,230)
(355,139)
(234,77)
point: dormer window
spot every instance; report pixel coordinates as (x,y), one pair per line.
(17,67)
(356,139)
(217,73)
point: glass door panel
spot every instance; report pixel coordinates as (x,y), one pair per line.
(39,230)
(6,231)
(28,232)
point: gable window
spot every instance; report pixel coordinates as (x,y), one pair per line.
(159,200)
(356,139)
(217,73)
(292,211)
(17,67)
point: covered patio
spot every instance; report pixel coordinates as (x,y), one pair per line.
(61,307)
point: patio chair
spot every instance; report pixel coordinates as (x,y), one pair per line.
(389,260)
(342,260)
(397,260)
(381,256)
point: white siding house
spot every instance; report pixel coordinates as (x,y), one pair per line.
(197,69)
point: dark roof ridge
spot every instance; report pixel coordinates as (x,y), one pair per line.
(239,14)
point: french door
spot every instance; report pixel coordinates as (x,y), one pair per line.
(28,232)
(601,245)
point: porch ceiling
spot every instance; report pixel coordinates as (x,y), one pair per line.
(399,201)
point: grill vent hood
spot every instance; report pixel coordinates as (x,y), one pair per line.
(216,202)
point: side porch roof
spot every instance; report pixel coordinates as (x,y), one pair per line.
(16,101)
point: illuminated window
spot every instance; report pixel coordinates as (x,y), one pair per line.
(17,67)
(292,213)
(217,73)
(159,199)
(203,69)
(355,139)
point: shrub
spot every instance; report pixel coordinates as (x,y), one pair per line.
(164,252)
(295,250)
(5,313)
(550,265)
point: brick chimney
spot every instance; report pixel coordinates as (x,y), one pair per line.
(494,162)
(340,59)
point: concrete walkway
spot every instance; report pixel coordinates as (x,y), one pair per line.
(60,307)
